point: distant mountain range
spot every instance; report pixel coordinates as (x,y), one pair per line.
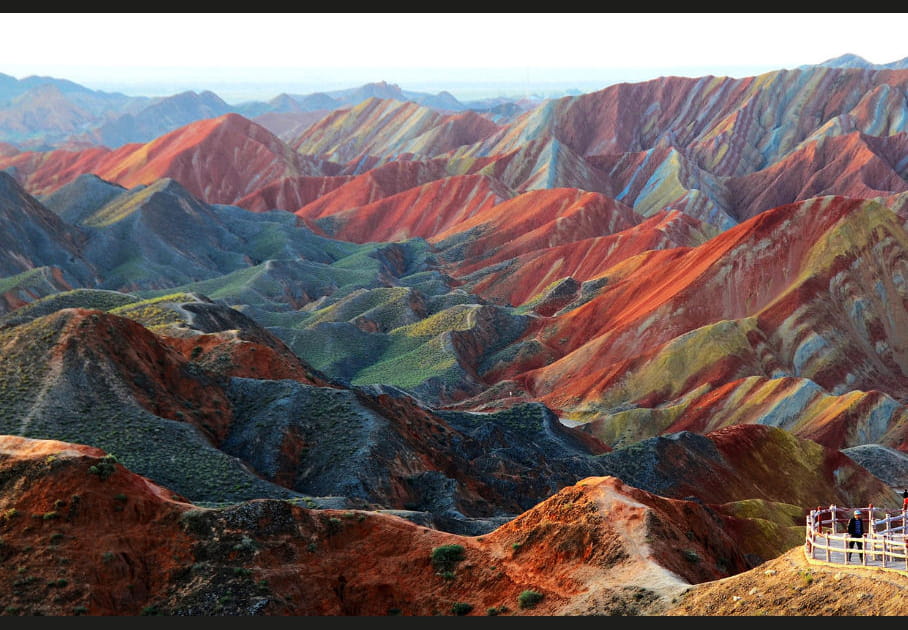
(856,61)
(44,112)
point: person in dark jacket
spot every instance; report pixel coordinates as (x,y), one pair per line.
(855,532)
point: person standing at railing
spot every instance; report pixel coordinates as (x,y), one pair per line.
(856,533)
(905,500)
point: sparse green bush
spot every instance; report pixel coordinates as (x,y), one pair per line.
(461,608)
(446,557)
(104,468)
(529,598)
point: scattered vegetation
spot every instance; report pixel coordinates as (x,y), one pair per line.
(529,598)
(461,608)
(154,313)
(446,557)
(806,576)
(104,468)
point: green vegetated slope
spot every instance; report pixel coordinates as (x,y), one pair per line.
(383,314)
(66,375)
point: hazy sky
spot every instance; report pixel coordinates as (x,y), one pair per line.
(241,54)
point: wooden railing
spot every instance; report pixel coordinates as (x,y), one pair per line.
(883,543)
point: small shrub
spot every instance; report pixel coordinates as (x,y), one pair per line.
(691,556)
(529,598)
(446,557)
(461,608)
(104,468)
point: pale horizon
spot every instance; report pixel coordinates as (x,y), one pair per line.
(256,56)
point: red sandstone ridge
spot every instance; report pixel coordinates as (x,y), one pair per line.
(79,547)
(536,219)
(533,269)
(419,211)
(219,160)
(852,165)
(384,127)
(238,353)
(374,185)
(290,193)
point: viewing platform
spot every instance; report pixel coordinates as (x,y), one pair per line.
(883,546)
